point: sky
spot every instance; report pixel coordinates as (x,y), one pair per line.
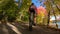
(16,0)
(38,3)
(52,18)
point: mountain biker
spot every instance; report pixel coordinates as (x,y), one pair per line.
(32,13)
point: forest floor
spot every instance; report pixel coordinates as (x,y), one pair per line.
(22,28)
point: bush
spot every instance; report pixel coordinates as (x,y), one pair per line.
(11,18)
(9,8)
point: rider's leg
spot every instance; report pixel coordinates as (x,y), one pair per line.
(30,23)
(34,19)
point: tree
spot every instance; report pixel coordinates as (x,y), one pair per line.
(48,7)
(51,6)
(24,10)
(8,9)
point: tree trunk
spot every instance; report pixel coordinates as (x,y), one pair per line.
(19,3)
(52,2)
(48,18)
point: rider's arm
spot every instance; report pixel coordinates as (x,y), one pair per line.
(35,10)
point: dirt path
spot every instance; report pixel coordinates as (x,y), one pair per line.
(22,28)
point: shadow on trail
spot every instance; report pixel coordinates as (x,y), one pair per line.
(22,28)
(5,29)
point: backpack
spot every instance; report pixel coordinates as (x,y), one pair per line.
(31,9)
